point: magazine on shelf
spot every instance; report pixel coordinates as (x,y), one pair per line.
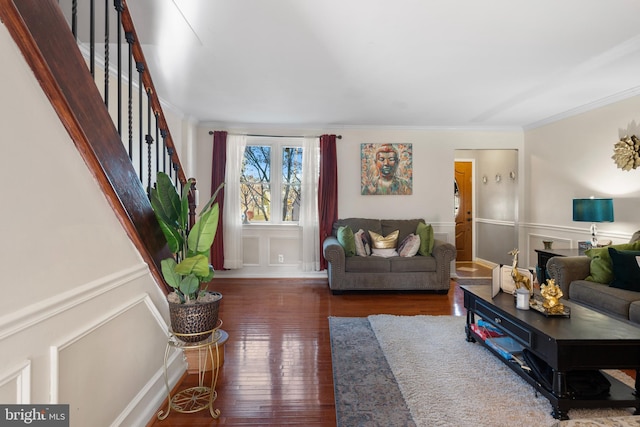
(507,347)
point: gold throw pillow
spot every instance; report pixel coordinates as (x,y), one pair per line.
(384,242)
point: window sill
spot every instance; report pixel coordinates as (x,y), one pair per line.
(255,225)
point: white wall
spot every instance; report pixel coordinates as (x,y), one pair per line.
(81,319)
(433,161)
(571,158)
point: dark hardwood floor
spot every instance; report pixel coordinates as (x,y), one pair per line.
(277,369)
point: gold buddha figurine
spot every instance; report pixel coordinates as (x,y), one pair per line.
(551,294)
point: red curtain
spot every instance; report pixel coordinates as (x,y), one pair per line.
(327,190)
(218,167)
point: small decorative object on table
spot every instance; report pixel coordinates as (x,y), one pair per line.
(521,280)
(548,244)
(550,304)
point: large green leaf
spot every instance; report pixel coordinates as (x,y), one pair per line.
(204,230)
(165,200)
(169,273)
(173,236)
(197,264)
(190,286)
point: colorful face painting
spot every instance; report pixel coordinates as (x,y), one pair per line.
(386,169)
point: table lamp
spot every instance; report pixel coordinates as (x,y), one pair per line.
(593,210)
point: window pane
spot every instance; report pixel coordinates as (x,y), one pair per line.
(292,165)
(255,183)
(255,202)
(291,180)
(256,166)
(291,194)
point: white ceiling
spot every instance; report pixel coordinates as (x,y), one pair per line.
(401,63)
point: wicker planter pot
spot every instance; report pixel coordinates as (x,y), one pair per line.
(194,322)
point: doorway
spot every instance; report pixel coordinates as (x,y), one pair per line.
(463,209)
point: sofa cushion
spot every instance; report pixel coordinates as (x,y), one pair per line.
(600,269)
(626,269)
(426,238)
(409,246)
(390,241)
(362,243)
(404,227)
(357,224)
(370,264)
(347,240)
(603,297)
(384,252)
(416,263)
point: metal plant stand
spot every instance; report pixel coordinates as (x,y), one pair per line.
(194,399)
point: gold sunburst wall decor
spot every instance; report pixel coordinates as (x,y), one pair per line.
(626,153)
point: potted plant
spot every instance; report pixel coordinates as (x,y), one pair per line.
(192,308)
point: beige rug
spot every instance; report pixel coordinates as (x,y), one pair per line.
(447,381)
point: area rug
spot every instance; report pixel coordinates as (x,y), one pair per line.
(434,377)
(366,391)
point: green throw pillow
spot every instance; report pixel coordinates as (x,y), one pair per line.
(347,240)
(626,270)
(601,270)
(426,238)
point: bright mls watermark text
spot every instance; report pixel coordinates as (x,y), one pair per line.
(34,415)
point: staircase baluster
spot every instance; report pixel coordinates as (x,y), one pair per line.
(106,53)
(130,41)
(74,19)
(140,68)
(119,8)
(170,151)
(157,116)
(149,141)
(92,38)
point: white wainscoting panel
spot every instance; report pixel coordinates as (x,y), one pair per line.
(15,385)
(100,368)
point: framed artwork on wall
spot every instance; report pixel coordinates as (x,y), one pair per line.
(386,169)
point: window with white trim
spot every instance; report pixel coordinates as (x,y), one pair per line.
(270,181)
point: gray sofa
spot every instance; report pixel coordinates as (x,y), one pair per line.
(570,274)
(395,273)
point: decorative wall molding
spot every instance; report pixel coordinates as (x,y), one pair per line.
(495,222)
(20,378)
(31,315)
(584,231)
(104,319)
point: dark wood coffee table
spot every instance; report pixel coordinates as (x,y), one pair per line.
(586,340)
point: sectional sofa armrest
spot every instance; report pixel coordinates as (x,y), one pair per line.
(333,250)
(565,270)
(336,263)
(444,253)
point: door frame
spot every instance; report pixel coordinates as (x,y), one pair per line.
(473,201)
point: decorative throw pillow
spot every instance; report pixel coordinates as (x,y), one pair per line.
(425,232)
(347,240)
(409,246)
(384,252)
(362,245)
(626,269)
(384,242)
(600,269)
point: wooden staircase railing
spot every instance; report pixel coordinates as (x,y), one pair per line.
(43,35)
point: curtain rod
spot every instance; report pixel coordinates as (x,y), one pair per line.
(276,136)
